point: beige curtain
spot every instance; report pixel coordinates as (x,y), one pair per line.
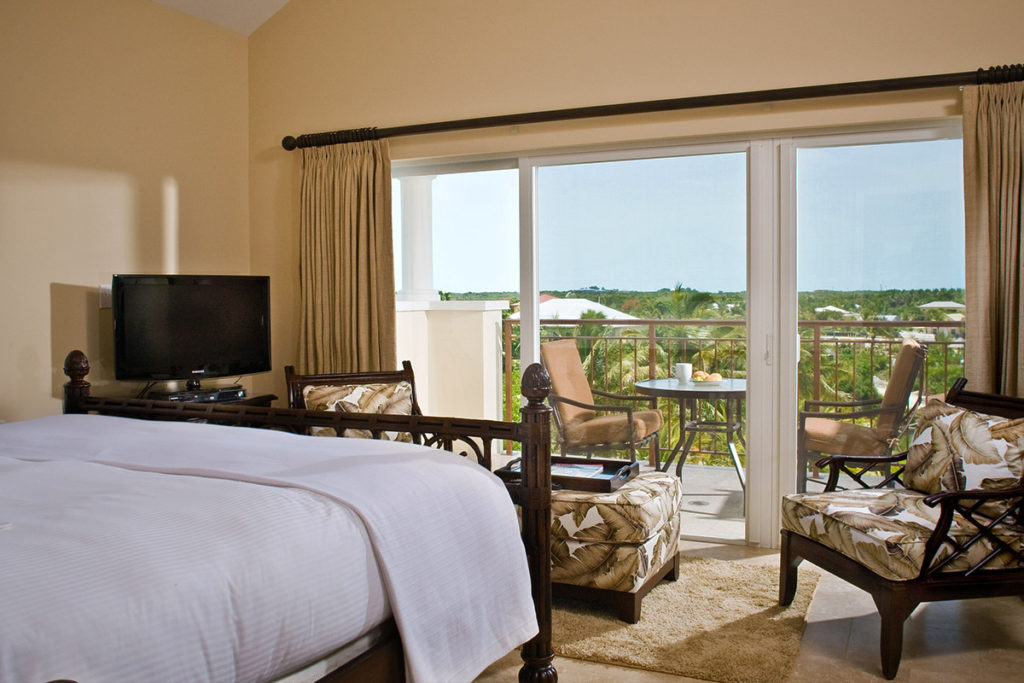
(993,163)
(346,268)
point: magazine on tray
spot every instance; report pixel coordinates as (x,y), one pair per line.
(569,469)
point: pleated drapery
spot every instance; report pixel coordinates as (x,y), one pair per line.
(993,116)
(346,268)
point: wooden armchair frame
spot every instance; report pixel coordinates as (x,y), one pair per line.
(895,600)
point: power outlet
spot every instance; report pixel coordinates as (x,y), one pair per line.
(106,300)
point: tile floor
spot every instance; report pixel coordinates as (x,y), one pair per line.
(971,640)
(713,503)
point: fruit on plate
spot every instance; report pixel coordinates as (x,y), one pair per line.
(701,376)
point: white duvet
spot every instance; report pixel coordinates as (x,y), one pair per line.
(110,570)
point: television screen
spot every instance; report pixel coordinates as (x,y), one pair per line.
(190,326)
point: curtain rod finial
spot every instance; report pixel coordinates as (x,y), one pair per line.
(289,143)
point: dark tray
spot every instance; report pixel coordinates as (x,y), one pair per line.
(611,475)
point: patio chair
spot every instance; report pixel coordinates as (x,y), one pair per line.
(952,532)
(581,425)
(834,432)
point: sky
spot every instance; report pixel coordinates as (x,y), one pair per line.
(884,216)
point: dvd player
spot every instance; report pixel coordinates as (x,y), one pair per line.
(232,393)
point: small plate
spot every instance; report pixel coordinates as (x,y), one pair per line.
(706,382)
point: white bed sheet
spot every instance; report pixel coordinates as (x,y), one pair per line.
(95,570)
(459,591)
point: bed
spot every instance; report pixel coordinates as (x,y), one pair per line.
(148,540)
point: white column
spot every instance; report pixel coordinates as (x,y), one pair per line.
(417,240)
(529,279)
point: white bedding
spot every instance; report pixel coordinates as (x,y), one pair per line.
(95,569)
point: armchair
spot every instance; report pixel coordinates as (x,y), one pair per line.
(834,432)
(387,392)
(578,418)
(953,531)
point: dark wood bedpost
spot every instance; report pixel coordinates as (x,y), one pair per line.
(76,366)
(535,500)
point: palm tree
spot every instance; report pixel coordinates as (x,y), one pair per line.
(683,304)
(687,303)
(617,365)
(587,335)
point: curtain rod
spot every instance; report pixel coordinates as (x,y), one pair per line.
(995,74)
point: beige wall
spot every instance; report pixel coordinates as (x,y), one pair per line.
(321,65)
(110,110)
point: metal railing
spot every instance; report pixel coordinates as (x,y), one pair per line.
(839,359)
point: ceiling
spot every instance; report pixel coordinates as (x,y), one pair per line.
(240,16)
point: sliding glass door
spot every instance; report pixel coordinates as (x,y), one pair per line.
(794,264)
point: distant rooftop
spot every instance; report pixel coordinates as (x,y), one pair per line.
(840,311)
(552,307)
(942,305)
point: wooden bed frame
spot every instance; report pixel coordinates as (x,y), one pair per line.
(385,662)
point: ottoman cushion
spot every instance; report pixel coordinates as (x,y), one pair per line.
(615,541)
(632,514)
(614,566)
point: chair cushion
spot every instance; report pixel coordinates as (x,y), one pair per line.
(632,514)
(613,428)
(391,398)
(901,382)
(839,437)
(958,450)
(886,530)
(614,566)
(561,359)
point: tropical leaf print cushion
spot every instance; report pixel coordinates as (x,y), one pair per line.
(961,450)
(886,530)
(630,514)
(389,398)
(615,540)
(614,566)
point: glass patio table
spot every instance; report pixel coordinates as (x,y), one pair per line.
(688,395)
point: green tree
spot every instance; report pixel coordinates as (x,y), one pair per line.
(587,335)
(688,303)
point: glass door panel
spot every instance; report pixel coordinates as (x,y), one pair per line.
(642,261)
(880,257)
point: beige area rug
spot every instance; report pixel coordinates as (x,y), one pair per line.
(720,621)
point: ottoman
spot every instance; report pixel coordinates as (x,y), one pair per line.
(613,548)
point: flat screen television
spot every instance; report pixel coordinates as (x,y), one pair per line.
(190,327)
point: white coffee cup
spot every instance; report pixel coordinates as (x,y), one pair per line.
(684,371)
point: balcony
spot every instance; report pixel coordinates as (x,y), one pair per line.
(466,354)
(839,360)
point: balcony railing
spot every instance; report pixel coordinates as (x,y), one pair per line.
(839,360)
